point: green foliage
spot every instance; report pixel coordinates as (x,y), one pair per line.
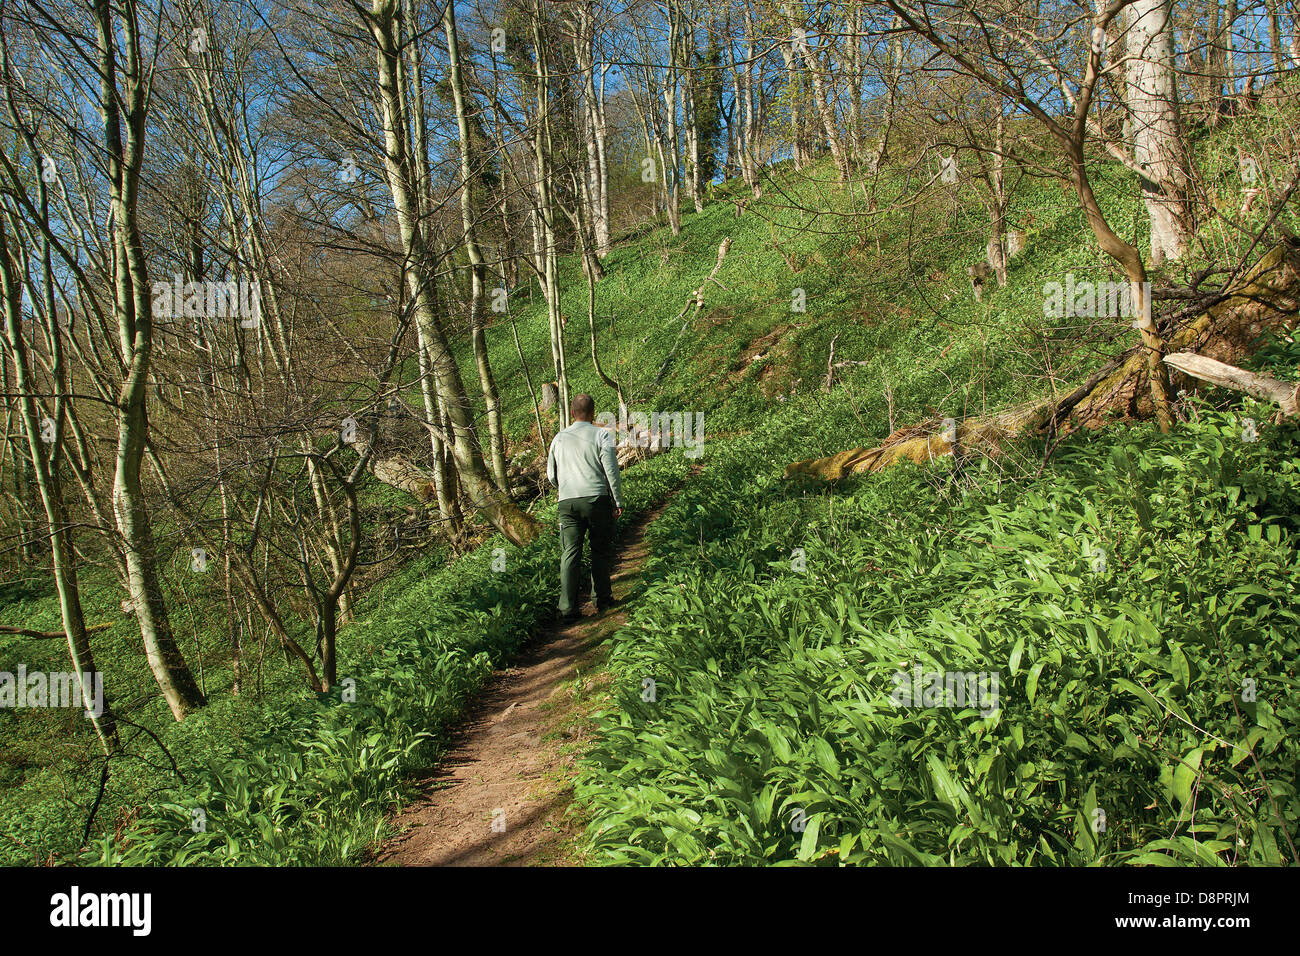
(313,785)
(706,101)
(1128,728)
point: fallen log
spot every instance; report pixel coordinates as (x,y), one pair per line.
(402,473)
(925,442)
(394,470)
(632,443)
(1265,298)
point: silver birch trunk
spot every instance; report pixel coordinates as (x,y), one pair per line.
(478,270)
(133,309)
(1158,146)
(46,459)
(517,526)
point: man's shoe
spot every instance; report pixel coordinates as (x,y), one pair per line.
(608,605)
(570,617)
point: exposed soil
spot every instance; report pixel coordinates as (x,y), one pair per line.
(777,347)
(501,795)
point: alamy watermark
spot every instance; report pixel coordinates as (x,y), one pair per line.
(76,909)
(1087,299)
(657,431)
(60,689)
(919,688)
(235,299)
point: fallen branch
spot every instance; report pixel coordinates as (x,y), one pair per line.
(1283,394)
(925,442)
(99,797)
(395,471)
(830,365)
(696,298)
(47,635)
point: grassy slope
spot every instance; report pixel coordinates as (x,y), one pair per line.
(773,680)
(907,315)
(1132,725)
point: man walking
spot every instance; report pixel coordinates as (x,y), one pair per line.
(583,466)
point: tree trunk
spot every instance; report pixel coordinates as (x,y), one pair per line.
(894,70)
(443,480)
(852,67)
(478,271)
(594,129)
(1283,394)
(1158,145)
(1277,58)
(1139,288)
(998,251)
(1223,68)
(62,551)
(750,84)
(515,524)
(786,47)
(133,308)
(690,120)
(603,240)
(547,246)
(813,64)
(671,162)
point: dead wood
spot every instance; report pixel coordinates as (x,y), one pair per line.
(1265,299)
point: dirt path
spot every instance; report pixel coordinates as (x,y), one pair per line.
(501,794)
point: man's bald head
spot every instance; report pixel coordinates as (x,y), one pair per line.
(582,408)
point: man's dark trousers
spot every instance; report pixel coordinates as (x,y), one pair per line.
(594,517)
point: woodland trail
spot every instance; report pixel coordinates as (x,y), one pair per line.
(500,795)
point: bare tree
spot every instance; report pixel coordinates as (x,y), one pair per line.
(954,29)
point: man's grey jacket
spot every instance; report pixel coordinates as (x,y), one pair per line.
(583,462)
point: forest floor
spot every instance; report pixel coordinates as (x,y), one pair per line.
(501,794)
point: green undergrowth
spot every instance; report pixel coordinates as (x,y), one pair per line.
(312,785)
(1134,598)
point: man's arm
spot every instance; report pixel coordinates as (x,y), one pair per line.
(609,461)
(551,475)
